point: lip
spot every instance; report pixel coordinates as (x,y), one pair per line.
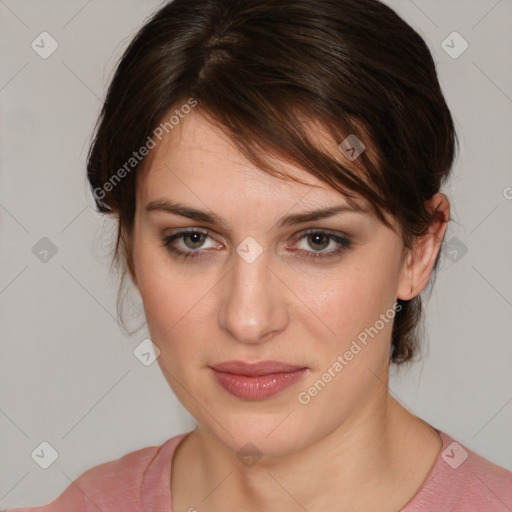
(255,369)
(256,381)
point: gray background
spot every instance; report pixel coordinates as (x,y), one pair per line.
(68,376)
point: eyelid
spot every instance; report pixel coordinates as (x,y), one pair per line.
(343,241)
(179,233)
(326,231)
(297,236)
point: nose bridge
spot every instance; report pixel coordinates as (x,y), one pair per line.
(253,305)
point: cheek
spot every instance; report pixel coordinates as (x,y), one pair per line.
(350,303)
(168,301)
(358,308)
(333,304)
(163,294)
(177,303)
(350,297)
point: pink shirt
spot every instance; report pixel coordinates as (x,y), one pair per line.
(459,481)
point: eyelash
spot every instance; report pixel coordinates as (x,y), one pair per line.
(344,244)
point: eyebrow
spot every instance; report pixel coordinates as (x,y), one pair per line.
(172,208)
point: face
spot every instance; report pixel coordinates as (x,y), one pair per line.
(230,269)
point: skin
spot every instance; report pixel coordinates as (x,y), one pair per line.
(352,446)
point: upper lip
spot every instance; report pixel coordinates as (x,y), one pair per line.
(255,369)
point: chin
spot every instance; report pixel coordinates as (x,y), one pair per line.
(262,433)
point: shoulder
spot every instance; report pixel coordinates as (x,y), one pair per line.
(115,485)
(485,481)
(463,481)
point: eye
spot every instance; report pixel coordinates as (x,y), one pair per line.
(315,244)
(190,241)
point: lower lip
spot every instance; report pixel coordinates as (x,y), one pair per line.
(258,387)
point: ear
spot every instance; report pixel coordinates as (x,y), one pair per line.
(419,260)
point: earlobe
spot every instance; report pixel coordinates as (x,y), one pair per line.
(420,259)
(406,286)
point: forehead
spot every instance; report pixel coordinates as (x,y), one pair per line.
(198,160)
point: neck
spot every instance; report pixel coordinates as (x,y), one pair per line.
(376,450)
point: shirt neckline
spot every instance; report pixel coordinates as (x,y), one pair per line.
(156,488)
(423,489)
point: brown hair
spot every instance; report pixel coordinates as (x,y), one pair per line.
(258,69)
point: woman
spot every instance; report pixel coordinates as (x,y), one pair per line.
(276,171)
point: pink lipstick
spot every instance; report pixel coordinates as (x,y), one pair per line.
(256,381)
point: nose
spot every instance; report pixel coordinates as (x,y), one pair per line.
(253,307)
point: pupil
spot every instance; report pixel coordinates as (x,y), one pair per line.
(317,237)
(195,238)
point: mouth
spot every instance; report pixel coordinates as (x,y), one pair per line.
(256,381)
